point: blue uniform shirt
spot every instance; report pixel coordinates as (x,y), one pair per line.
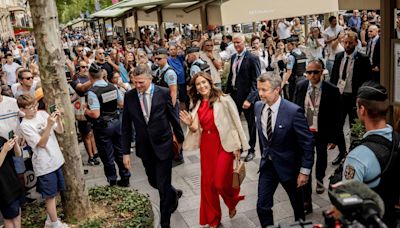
(361,163)
(93,102)
(292,59)
(170,76)
(194,68)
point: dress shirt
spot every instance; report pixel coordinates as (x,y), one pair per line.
(236,65)
(349,71)
(274,114)
(371,51)
(148,99)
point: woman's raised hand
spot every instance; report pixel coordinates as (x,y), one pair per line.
(185,117)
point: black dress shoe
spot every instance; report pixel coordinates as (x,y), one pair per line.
(112,183)
(308,208)
(179,194)
(337,160)
(249,156)
(320,189)
(123,183)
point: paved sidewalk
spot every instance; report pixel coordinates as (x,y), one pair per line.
(187,178)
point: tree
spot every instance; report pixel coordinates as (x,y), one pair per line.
(54,84)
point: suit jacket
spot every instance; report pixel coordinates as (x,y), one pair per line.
(227,121)
(329,114)
(376,55)
(246,79)
(155,135)
(291,147)
(362,70)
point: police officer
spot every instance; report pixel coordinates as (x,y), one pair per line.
(296,67)
(166,76)
(195,63)
(379,169)
(103,101)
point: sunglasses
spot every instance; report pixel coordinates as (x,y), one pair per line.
(313,71)
(83,66)
(28,78)
(209,45)
(158,58)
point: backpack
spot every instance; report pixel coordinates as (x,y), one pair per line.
(383,149)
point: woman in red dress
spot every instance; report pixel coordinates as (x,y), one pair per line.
(215,128)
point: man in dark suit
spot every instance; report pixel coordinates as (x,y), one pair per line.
(350,70)
(242,86)
(321,102)
(287,149)
(374,51)
(149,108)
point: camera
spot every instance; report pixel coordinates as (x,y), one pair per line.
(357,205)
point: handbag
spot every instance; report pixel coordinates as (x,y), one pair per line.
(239,173)
(175,147)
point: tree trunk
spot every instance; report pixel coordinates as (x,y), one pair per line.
(54,84)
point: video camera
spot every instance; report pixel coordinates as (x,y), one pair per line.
(357,205)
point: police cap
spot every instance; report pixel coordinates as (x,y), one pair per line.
(94,69)
(161,51)
(192,50)
(371,90)
(292,39)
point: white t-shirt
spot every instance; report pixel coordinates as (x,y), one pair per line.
(44,160)
(283,31)
(9,113)
(10,69)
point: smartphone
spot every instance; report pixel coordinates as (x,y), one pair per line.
(11,134)
(53,108)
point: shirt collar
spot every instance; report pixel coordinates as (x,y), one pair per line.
(351,56)
(164,68)
(275,106)
(381,131)
(317,86)
(242,53)
(375,38)
(148,89)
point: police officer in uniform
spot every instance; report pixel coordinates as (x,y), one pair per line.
(379,169)
(193,58)
(103,101)
(296,67)
(166,77)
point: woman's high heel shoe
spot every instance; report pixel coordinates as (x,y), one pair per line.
(232,213)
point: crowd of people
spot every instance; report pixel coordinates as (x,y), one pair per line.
(160,96)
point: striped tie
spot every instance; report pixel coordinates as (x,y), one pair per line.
(269,124)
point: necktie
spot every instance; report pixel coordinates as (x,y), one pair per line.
(237,64)
(344,72)
(269,124)
(145,106)
(369,47)
(313,93)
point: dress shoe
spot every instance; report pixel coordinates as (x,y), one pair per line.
(320,189)
(123,183)
(179,194)
(112,183)
(337,160)
(308,208)
(249,156)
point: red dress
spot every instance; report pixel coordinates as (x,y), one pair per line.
(216,171)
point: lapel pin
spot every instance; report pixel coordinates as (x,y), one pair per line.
(280,126)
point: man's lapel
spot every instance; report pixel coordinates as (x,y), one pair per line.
(154,99)
(279,118)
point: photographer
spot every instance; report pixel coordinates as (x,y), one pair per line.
(375,161)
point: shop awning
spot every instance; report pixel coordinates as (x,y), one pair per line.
(110,13)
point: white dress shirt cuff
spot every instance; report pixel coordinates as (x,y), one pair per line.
(305,171)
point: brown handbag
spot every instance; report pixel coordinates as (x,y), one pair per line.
(239,173)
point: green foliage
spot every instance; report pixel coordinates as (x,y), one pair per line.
(357,129)
(112,207)
(70,9)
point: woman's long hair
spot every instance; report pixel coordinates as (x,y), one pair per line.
(215,92)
